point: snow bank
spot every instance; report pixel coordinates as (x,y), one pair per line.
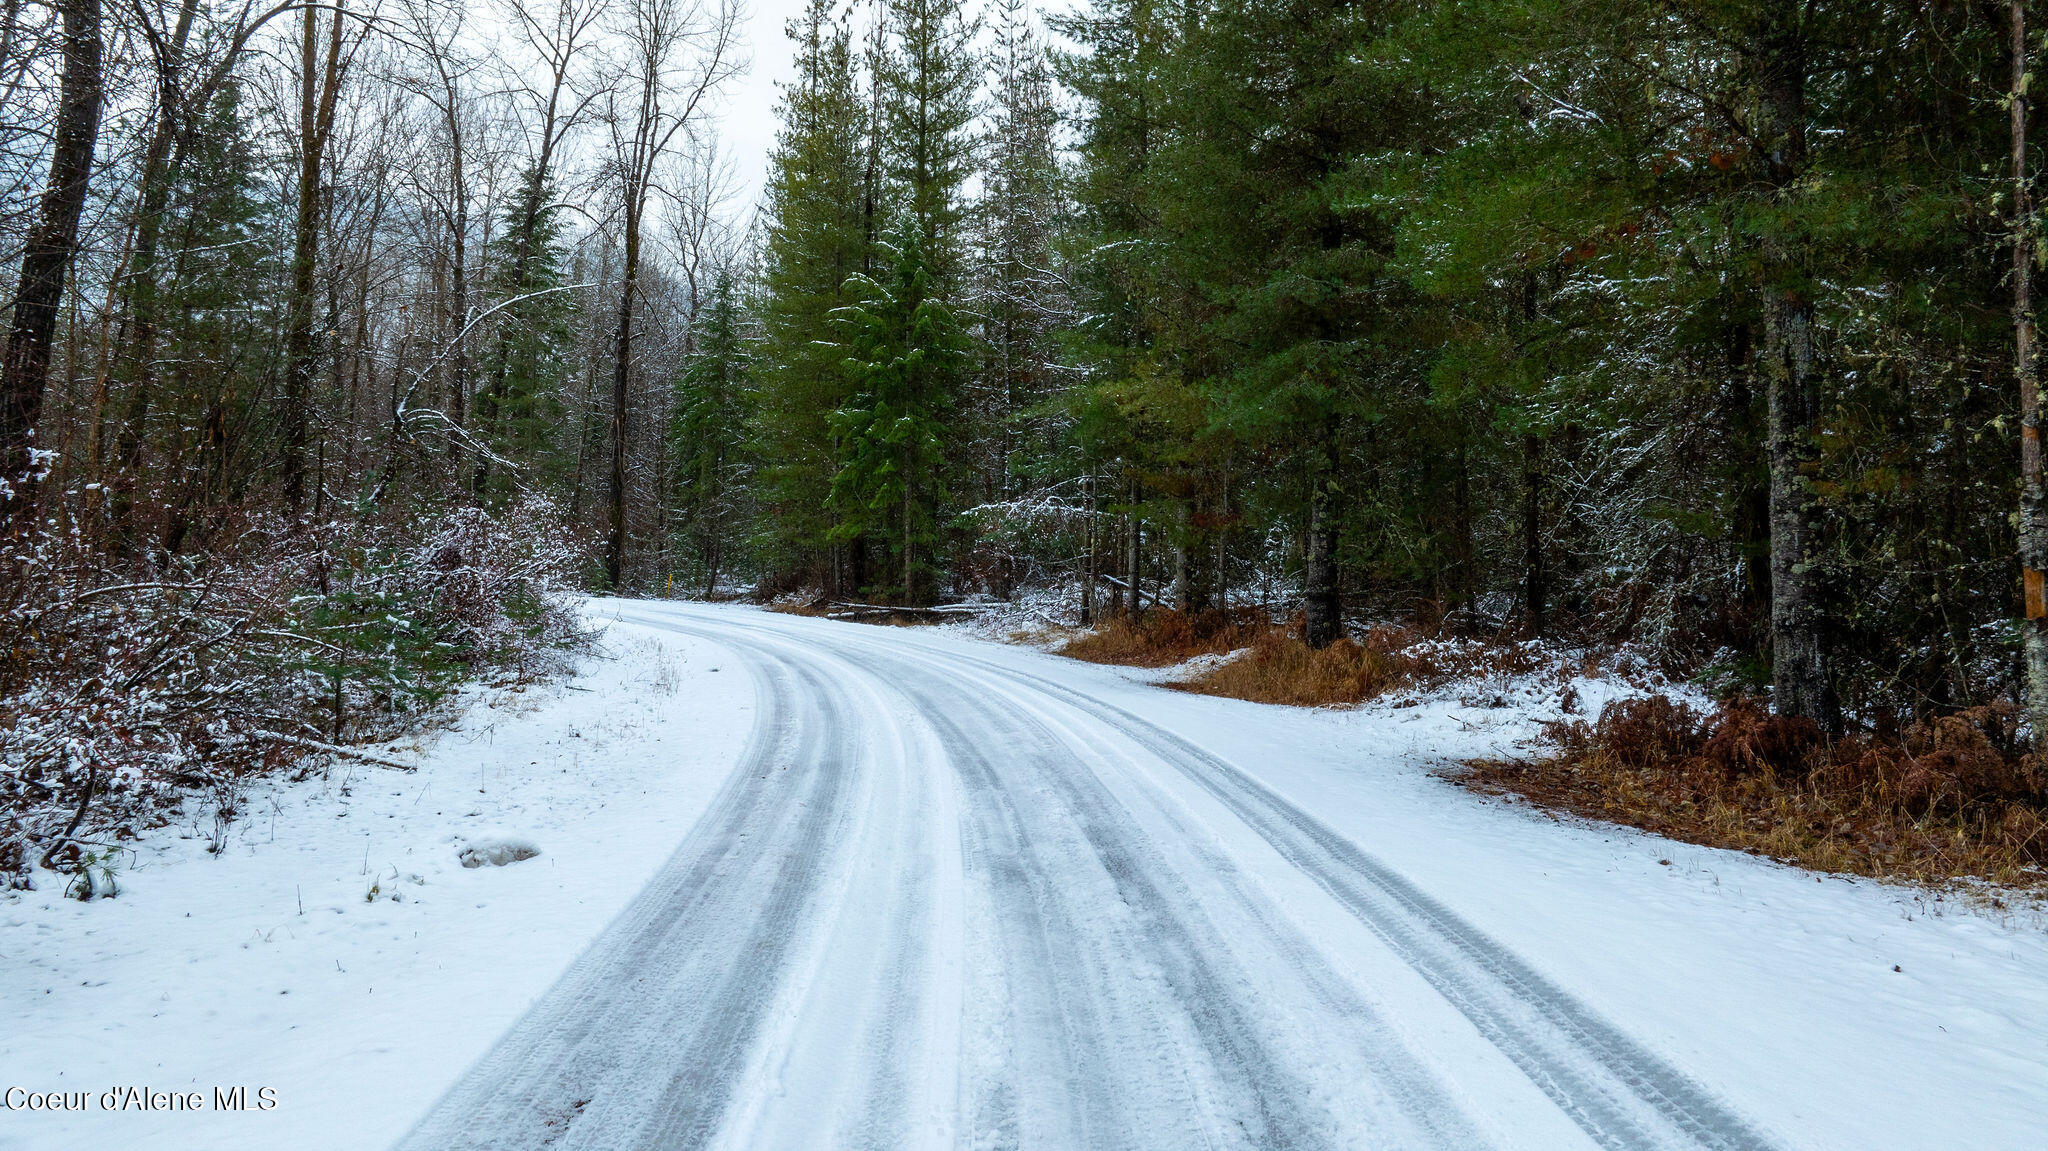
(337,950)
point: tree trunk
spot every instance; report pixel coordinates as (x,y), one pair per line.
(1195,559)
(909,550)
(1801,680)
(458,356)
(2033,522)
(160,164)
(615,544)
(316,113)
(1321,602)
(1091,537)
(47,256)
(1535,580)
(1133,555)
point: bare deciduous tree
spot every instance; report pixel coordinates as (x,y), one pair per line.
(677,54)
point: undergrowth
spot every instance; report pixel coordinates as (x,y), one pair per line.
(1280,668)
(130,678)
(1272,664)
(1949,798)
(1162,638)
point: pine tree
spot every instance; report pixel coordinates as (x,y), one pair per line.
(927,80)
(1119,74)
(815,239)
(904,353)
(519,411)
(215,304)
(1019,296)
(708,435)
(1283,313)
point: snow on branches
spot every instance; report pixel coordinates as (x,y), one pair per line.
(119,693)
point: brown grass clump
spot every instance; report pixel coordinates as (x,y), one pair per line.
(1163,637)
(1280,668)
(1952,797)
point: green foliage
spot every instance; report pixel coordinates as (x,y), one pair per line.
(816,239)
(373,641)
(1490,284)
(927,80)
(708,436)
(213,296)
(904,356)
(519,408)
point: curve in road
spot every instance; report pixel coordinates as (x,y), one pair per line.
(946,903)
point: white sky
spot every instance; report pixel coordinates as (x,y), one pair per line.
(747,119)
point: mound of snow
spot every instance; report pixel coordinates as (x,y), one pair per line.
(496,850)
(1195,667)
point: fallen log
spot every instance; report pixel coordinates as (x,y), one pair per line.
(857,610)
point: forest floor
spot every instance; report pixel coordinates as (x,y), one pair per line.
(904,887)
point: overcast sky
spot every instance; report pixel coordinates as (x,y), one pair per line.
(747,124)
(747,119)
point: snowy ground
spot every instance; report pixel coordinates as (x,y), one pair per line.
(269,967)
(929,891)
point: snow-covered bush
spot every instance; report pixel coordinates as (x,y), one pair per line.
(127,680)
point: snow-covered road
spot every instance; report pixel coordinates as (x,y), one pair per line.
(949,902)
(881,887)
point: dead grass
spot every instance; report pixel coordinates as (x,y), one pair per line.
(1162,638)
(1280,668)
(1951,798)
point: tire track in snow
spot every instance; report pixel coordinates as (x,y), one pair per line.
(863,1031)
(641,1043)
(1035,809)
(1620,1093)
(1268,1107)
(1117,1010)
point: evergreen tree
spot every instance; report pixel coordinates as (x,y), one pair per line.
(927,80)
(708,435)
(215,306)
(520,409)
(1119,74)
(815,240)
(904,352)
(1012,434)
(1283,313)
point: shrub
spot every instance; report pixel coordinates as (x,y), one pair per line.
(1280,668)
(1164,637)
(1951,796)
(125,680)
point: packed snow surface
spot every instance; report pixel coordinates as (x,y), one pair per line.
(895,888)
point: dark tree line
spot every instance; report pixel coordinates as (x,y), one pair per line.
(344,259)
(1704,324)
